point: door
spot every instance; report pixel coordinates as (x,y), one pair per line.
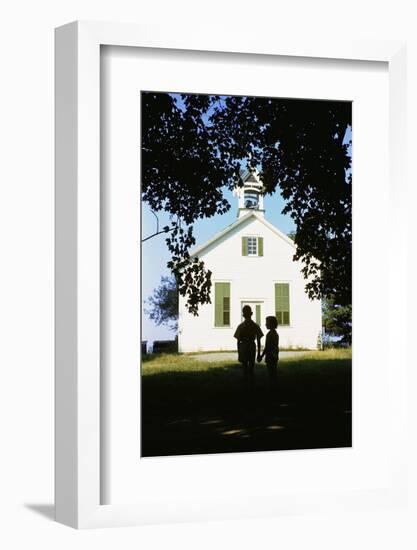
(257,310)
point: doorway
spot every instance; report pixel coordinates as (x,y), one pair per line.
(257,309)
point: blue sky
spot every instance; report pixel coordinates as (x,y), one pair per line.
(155,254)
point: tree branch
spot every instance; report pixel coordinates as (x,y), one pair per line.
(158,233)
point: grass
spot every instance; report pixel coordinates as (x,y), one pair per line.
(190,406)
(289,348)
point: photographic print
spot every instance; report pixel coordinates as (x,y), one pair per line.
(246,224)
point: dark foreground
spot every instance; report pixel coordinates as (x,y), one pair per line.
(194,408)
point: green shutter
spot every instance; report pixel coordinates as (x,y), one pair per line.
(221,304)
(244,246)
(260,246)
(258,313)
(282,303)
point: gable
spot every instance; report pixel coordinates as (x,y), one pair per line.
(241,223)
(250,176)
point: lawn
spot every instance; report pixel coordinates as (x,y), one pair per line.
(190,406)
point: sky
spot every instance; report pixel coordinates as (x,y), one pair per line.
(155,254)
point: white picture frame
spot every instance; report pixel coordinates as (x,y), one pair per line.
(78,405)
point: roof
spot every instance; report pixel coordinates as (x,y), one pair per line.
(235,224)
(250,176)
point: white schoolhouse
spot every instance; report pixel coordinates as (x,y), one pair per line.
(251,263)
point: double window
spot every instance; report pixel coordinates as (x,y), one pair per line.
(222,304)
(252,246)
(222,309)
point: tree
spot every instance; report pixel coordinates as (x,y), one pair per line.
(299,146)
(191,154)
(164,303)
(182,175)
(337,320)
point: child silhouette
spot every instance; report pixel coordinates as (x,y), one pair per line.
(246,334)
(271,349)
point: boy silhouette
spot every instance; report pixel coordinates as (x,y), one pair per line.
(271,349)
(246,334)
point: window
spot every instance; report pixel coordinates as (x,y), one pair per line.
(226,311)
(251,199)
(222,304)
(282,303)
(252,246)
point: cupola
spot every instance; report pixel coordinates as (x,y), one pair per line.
(250,195)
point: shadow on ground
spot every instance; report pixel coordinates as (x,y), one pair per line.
(214,412)
(45,510)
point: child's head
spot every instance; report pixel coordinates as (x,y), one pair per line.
(271,322)
(247,312)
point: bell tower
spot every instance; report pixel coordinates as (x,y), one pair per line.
(250,195)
